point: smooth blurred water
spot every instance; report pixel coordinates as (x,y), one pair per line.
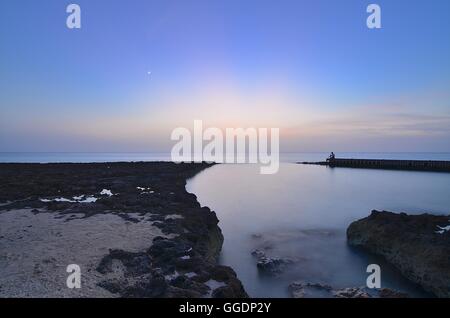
(48,157)
(302,212)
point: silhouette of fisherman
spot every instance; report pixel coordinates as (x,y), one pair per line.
(331,157)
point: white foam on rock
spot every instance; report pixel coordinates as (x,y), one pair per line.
(190,274)
(76,199)
(64,200)
(442,230)
(89,200)
(173,217)
(106,192)
(172,276)
(145,190)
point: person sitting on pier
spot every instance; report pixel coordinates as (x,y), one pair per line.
(331,157)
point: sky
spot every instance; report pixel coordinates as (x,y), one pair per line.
(138,69)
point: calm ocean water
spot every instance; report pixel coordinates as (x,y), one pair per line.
(301,212)
(46,157)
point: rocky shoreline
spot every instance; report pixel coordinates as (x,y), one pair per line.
(317,290)
(417,245)
(181,262)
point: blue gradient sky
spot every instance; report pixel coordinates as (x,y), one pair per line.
(311,68)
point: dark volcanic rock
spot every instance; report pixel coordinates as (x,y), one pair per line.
(390,293)
(134,263)
(270,265)
(352,292)
(364,292)
(417,245)
(178,266)
(317,290)
(310,290)
(233,287)
(151,285)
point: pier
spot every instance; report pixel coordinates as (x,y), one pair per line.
(416,165)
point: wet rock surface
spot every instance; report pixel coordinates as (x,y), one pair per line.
(181,264)
(270,265)
(317,290)
(310,290)
(417,245)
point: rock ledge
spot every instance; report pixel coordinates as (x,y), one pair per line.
(417,245)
